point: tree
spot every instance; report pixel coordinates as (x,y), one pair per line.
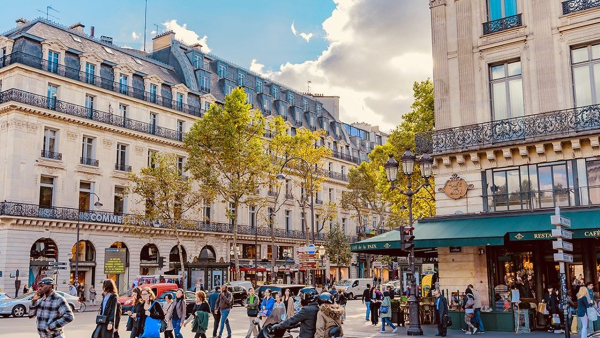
(167,196)
(337,248)
(419,119)
(227,155)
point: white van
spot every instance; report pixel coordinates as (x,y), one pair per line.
(353,287)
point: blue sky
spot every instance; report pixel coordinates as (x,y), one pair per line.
(368,52)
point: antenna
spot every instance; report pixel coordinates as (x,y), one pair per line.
(48,15)
(309,82)
(155,25)
(145,20)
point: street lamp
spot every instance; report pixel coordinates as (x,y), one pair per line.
(391,170)
(97,204)
(321,254)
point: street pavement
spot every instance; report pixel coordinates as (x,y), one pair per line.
(354,326)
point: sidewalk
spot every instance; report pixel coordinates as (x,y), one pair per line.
(430,331)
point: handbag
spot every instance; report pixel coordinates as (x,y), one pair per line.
(447,321)
(555,319)
(384,309)
(592,314)
(469,311)
(101,319)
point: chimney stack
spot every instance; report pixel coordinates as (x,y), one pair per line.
(92,31)
(78,27)
(21,22)
(162,40)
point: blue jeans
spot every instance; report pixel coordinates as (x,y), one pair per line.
(478,318)
(388,321)
(368,304)
(177,328)
(225,322)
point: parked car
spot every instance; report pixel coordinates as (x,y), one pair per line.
(353,287)
(18,307)
(246,284)
(126,298)
(279,288)
(190,300)
(240,294)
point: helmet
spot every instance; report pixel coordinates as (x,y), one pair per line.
(47,281)
(325,298)
(307,297)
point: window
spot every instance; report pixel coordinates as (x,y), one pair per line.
(343,171)
(374,222)
(121,157)
(179,101)
(303,220)
(46,192)
(232,213)
(344,225)
(266,104)
(206,212)
(85,199)
(205,83)
(250,98)
(221,70)
(499,9)
(151,158)
(180,161)
(586,75)
(123,84)
(88,151)
(318,107)
(90,73)
(152,123)
(275,92)
(288,220)
(180,130)
(290,98)
(305,104)
(52,96)
(281,110)
(52,61)
(108,50)
(241,79)
(252,216)
(123,113)
(507,90)
(331,195)
(119,201)
(206,106)
(259,86)
(137,61)
(50,143)
(76,38)
(197,61)
(153,93)
(228,89)
(89,105)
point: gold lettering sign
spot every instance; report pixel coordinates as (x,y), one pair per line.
(456,187)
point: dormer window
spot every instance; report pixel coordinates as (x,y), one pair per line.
(259,86)
(290,98)
(275,92)
(305,104)
(153,89)
(52,61)
(179,101)
(241,79)
(198,62)
(221,70)
(318,107)
(123,84)
(108,50)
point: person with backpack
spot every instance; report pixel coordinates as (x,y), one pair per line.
(468,305)
(252,309)
(385,312)
(328,317)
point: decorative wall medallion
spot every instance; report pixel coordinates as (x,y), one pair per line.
(456,187)
(139,150)
(17,124)
(107,143)
(32,127)
(71,136)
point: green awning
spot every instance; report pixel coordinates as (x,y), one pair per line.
(491,229)
(384,244)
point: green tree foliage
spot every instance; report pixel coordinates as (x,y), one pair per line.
(227,155)
(336,247)
(167,196)
(419,119)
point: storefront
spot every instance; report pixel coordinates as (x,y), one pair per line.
(206,269)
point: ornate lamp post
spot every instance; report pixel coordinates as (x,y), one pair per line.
(391,169)
(97,204)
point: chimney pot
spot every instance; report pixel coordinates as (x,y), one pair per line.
(21,22)
(92,31)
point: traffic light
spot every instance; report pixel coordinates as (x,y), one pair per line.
(407,238)
(161,262)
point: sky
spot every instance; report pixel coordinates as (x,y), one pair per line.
(367,52)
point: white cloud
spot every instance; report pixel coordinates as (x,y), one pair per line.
(305,36)
(294,29)
(377,49)
(135,35)
(187,36)
(153,32)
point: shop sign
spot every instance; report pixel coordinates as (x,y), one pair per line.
(428,269)
(456,187)
(115,260)
(456,249)
(530,236)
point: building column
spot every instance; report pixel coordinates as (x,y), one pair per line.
(538,263)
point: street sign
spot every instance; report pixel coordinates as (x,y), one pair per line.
(57,268)
(560,221)
(562,245)
(562,233)
(311,249)
(563,257)
(57,263)
(377,264)
(308,265)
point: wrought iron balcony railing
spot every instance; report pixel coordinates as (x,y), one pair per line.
(84,112)
(502,24)
(109,84)
(572,6)
(345,157)
(52,155)
(122,167)
(564,123)
(89,161)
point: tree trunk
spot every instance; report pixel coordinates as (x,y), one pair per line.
(184,282)
(236,257)
(304,226)
(273,250)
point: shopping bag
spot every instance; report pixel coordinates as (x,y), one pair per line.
(542,308)
(555,319)
(592,314)
(151,328)
(574,326)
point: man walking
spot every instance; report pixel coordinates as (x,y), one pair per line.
(224,304)
(212,301)
(52,310)
(441,310)
(366,299)
(477,307)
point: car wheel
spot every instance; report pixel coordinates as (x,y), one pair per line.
(351,296)
(19,311)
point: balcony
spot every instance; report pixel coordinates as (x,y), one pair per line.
(345,157)
(108,84)
(51,155)
(84,112)
(572,6)
(502,24)
(338,176)
(318,201)
(88,161)
(122,167)
(544,126)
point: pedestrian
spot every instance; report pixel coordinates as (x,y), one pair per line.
(583,305)
(266,306)
(168,307)
(200,315)
(366,299)
(407,291)
(151,316)
(73,290)
(477,308)
(51,310)
(134,316)
(390,291)
(25,289)
(591,320)
(288,299)
(212,302)
(178,313)
(441,309)
(224,304)
(468,303)
(328,317)
(552,308)
(376,299)
(198,286)
(252,308)
(92,295)
(386,313)
(277,315)
(81,292)
(343,300)
(109,312)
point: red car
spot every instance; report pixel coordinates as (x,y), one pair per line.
(126,298)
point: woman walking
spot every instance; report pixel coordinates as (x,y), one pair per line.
(386,313)
(469,302)
(133,322)
(92,295)
(288,300)
(152,314)
(252,312)
(376,299)
(178,313)
(168,310)
(108,318)
(199,315)
(582,306)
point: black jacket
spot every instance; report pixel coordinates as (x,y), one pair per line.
(156,312)
(551,303)
(112,311)
(443,307)
(135,323)
(307,317)
(366,296)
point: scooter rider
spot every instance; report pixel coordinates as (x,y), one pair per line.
(307,317)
